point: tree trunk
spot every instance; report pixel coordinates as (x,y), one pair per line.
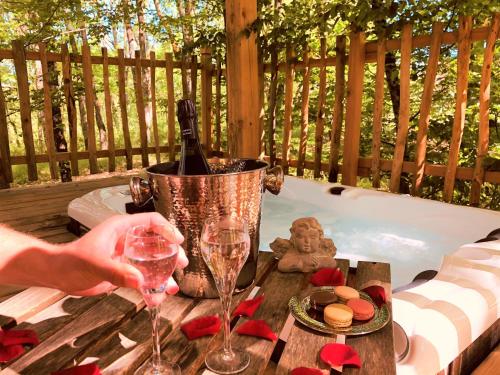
(40,114)
(186,10)
(81,101)
(103,135)
(392,78)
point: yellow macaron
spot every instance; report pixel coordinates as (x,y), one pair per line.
(338,315)
(345,293)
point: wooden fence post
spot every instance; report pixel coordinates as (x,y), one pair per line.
(194,78)
(287,121)
(378,111)
(404,108)
(4,140)
(272,107)
(19,56)
(304,112)
(464,47)
(484,114)
(425,106)
(109,114)
(320,119)
(242,73)
(89,104)
(139,103)
(123,108)
(169,71)
(47,113)
(156,135)
(338,108)
(69,96)
(353,112)
(206,99)
(218,99)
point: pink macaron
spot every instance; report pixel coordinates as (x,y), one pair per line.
(362,310)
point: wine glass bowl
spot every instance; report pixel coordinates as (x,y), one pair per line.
(225,245)
(147,249)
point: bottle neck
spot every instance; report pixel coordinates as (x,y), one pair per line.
(189,130)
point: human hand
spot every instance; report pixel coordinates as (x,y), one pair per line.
(92,264)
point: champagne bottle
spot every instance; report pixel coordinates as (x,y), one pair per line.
(192,161)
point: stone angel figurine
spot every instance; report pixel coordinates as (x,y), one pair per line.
(307,250)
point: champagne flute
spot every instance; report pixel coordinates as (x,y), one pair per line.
(151,253)
(225,245)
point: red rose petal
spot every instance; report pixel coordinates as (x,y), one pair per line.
(248,307)
(203,326)
(328,277)
(306,371)
(88,369)
(339,355)
(8,353)
(19,337)
(257,328)
(376,293)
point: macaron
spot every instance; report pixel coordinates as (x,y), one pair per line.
(345,293)
(362,310)
(338,315)
(321,298)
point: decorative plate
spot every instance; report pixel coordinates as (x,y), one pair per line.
(299,309)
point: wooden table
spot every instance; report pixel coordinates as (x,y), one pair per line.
(114,329)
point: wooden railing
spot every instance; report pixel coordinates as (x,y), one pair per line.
(352,56)
(361,53)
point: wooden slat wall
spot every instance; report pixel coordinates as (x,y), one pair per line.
(109,113)
(206,99)
(4,141)
(19,57)
(171,105)
(484,113)
(425,106)
(139,103)
(353,111)
(69,95)
(123,108)
(89,104)
(156,135)
(271,108)
(464,47)
(287,124)
(218,100)
(320,119)
(404,108)
(378,109)
(304,114)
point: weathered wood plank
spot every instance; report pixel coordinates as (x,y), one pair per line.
(378,110)
(218,100)
(206,99)
(271,107)
(320,119)
(23,88)
(338,108)
(404,108)
(153,106)
(69,96)
(464,48)
(425,106)
(301,337)
(353,113)
(169,71)
(89,104)
(123,108)
(287,121)
(193,68)
(304,114)
(47,113)
(4,139)
(109,113)
(27,303)
(381,342)
(141,114)
(484,113)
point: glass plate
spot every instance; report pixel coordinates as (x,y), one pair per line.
(299,309)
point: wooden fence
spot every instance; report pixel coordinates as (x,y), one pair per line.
(354,59)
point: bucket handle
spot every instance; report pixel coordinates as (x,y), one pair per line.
(273,181)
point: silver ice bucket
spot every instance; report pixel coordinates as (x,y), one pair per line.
(187,201)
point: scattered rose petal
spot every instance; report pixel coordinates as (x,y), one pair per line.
(339,355)
(203,326)
(328,277)
(376,293)
(248,307)
(8,353)
(257,328)
(306,371)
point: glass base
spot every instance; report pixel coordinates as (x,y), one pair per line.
(166,368)
(222,363)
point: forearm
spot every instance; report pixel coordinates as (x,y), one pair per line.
(24,260)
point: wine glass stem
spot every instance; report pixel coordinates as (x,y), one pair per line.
(155,322)
(226,305)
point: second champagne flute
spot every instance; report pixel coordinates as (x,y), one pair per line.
(225,245)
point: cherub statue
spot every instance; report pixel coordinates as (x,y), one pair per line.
(307,250)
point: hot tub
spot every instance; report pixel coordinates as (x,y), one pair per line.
(412,234)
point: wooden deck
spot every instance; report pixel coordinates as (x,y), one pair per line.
(41,210)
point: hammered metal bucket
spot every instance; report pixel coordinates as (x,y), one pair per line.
(187,201)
